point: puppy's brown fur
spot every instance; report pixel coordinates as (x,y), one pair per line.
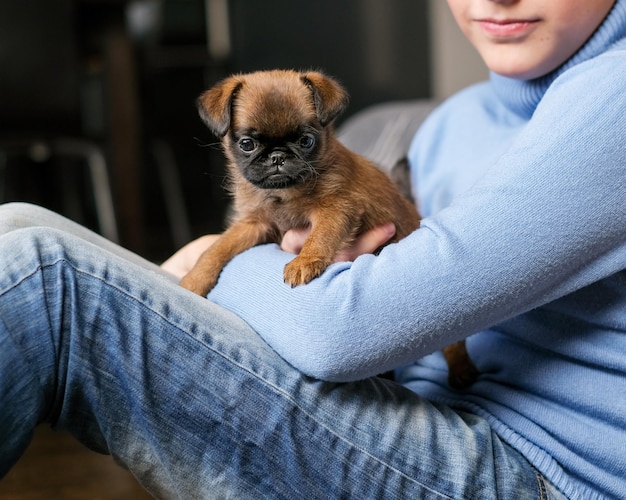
(334,191)
(266,121)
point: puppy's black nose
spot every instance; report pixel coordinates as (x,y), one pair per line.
(278,158)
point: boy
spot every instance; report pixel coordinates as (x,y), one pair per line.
(522,250)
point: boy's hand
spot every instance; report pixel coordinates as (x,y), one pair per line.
(368,242)
(182,261)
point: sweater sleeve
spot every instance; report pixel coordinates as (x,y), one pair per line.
(547,218)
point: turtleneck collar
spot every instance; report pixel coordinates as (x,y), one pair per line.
(523,96)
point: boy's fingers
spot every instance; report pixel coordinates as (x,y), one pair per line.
(368,242)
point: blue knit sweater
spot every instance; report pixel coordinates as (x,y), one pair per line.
(522,248)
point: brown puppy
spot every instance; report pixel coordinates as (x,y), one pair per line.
(287,170)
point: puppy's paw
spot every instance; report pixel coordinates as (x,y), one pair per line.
(301,270)
(197,283)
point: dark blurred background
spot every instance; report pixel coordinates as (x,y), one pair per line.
(97,97)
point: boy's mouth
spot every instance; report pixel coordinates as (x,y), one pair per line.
(506,29)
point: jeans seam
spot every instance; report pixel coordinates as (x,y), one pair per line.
(541,487)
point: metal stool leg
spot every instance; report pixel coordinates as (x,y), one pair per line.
(101,185)
(173,193)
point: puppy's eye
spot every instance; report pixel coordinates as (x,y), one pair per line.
(247,145)
(307,141)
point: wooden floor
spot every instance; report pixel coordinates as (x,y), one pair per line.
(58,467)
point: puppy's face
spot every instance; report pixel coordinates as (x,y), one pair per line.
(273,123)
(275,136)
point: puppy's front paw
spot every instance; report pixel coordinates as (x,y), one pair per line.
(197,283)
(301,270)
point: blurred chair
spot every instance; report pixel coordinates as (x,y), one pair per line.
(40,101)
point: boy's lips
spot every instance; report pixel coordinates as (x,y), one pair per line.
(506,29)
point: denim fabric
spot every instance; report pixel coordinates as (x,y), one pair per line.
(183,393)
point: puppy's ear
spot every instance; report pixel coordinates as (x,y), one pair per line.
(215,105)
(329,96)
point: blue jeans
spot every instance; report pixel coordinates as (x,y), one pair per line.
(96,341)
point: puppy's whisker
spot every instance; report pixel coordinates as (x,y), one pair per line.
(311,174)
(202,144)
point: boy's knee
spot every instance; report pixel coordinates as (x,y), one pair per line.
(18,215)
